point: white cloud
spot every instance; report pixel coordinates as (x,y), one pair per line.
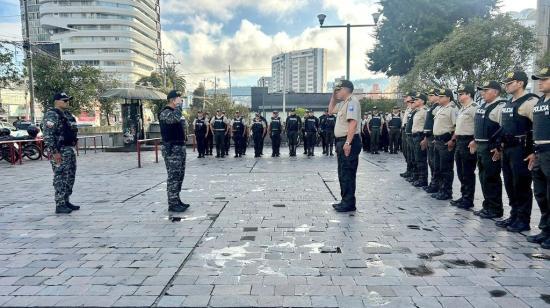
(10,31)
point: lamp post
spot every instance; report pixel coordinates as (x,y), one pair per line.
(322,17)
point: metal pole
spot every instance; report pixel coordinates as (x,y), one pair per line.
(230,89)
(348,26)
(29,58)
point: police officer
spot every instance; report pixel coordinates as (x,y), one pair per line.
(411,165)
(220,126)
(238,131)
(408,100)
(330,123)
(292,126)
(417,130)
(539,162)
(304,139)
(464,134)
(227,137)
(487,124)
(444,151)
(394,125)
(60,138)
(311,126)
(274,130)
(201,131)
(517,144)
(265,133)
(258,129)
(172,130)
(365,137)
(209,135)
(374,125)
(322,131)
(385,134)
(428,142)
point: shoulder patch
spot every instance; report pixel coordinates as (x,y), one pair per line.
(50,124)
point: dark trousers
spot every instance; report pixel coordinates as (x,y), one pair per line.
(394,139)
(201,144)
(444,167)
(420,160)
(404,143)
(238,141)
(374,139)
(329,142)
(209,143)
(258,144)
(227,144)
(305,142)
(431,153)
(541,184)
(409,148)
(292,142)
(347,169)
(311,138)
(219,138)
(323,135)
(489,178)
(275,142)
(465,169)
(366,140)
(517,182)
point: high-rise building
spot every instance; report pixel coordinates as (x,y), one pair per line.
(264,82)
(122,37)
(302,71)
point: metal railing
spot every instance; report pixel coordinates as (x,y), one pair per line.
(12,143)
(156,141)
(85,138)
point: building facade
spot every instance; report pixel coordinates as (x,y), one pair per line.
(120,37)
(301,71)
(264,82)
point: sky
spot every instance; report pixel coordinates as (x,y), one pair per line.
(206,36)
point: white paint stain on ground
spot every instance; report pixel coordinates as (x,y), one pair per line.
(376,244)
(302,228)
(315,247)
(375,299)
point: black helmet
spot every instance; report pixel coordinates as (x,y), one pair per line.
(4,132)
(33,131)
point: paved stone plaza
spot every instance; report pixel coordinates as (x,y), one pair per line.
(259,233)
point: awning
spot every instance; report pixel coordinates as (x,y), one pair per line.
(135,93)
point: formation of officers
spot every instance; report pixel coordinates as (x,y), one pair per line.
(218,131)
(508,136)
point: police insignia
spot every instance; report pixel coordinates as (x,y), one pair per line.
(510,75)
(49,124)
(544,70)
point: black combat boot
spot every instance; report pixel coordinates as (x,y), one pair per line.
(62,209)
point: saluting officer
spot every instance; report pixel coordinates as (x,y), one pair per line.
(238,131)
(443,130)
(311,127)
(517,144)
(259,129)
(201,131)
(220,126)
(292,126)
(539,163)
(60,138)
(394,125)
(464,134)
(374,125)
(329,132)
(487,125)
(417,130)
(428,142)
(172,130)
(274,130)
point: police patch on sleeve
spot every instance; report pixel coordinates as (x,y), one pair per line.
(49,124)
(351,108)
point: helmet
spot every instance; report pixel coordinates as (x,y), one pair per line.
(4,132)
(33,131)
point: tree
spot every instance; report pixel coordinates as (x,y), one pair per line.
(174,80)
(383,105)
(475,53)
(411,26)
(154,80)
(10,74)
(81,82)
(198,97)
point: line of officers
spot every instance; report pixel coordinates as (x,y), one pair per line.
(381,131)
(219,130)
(511,136)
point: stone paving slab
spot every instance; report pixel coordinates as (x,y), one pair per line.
(260,233)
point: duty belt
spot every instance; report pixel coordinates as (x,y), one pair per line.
(465,137)
(219,129)
(444,138)
(415,135)
(512,141)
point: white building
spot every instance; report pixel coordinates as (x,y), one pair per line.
(302,71)
(264,82)
(120,37)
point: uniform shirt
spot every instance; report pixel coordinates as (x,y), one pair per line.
(53,129)
(363,124)
(406,116)
(465,120)
(496,114)
(349,109)
(225,120)
(444,120)
(419,120)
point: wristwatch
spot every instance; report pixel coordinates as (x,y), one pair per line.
(347,143)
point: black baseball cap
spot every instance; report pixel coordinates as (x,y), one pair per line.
(543,74)
(410,93)
(433,92)
(62,96)
(420,95)
(173,94)
(466,88)
(516,76)
(446,92)
(344,84)
(491,84)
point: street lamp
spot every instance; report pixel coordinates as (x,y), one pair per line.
(322,17)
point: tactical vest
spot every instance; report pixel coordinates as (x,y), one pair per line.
(541,120)
(275,124)
(172,133)
(514,124)
(238,126)
(330,123)
(485,128)
(410,119)
(292,123)
(311,125)
(257,127)
(322,121)
(219,124)
(200,126)
(69,129)
(375,121)
(429,124)
(395,121)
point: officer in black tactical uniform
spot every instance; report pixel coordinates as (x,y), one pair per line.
(394,125)
(539,163)
(487,124)
(220,126)
(322,131)
(428,142)
(172,130)
(227,137)
(293,126)
(274,130)
(517,141)
(374,124)
(258,129)
(304,139)
(209,135)
(238,131)
(201,131)
(265,133)
(311,126)
(60,138)
(330,122)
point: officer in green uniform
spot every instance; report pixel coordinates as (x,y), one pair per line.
(428,142)
(417,135)
(374,124)
(60,138)
(443,130)
(487,124)
(394,125)
(220,126)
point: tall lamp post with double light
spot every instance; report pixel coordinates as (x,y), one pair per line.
(322,17)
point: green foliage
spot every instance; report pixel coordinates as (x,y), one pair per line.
(198,97)
(409,27)
(480,51)
(544,60)
(383,105)
(301,112)
(174,80)
(107,105)
(10,74)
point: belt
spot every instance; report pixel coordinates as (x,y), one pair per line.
(464,137)
(219,129)
(344,138)
(415,135)
(444,138)
(512,141)
(542,148)
(482,140)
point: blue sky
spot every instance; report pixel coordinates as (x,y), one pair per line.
(208,35)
